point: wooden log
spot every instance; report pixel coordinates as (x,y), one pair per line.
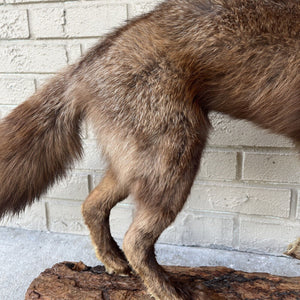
(70,280)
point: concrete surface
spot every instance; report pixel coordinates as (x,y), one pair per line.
(24,254)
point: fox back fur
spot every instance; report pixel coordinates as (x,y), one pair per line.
(147,89)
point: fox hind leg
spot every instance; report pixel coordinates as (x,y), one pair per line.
(96,210)
(139,241)
(159,199)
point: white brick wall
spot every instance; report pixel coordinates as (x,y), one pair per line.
(247,194)
(32,57)
(14,24)
(14,90)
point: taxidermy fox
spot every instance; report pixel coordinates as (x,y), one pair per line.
(147,89)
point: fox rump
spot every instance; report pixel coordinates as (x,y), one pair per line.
(148,89)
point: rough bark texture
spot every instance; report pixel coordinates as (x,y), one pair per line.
(69,280)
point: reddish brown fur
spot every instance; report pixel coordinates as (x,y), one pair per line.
(148,89)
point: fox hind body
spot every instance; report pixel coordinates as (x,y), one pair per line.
(148,89)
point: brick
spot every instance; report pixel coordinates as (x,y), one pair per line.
(298,205)
(29,1)
(200,229)
(141,8)
(218,165)
(33,218)
(66,217)
(13,24)
(42,79)
(271,167)
(74,187)
(92,158)
(229,132)
(97,179)
(245,200)
(175,232)
(73,53)
(120,220)
(93,20)
(5,110)
(267,235)
(206,230)
(47,22)
(32,58)
(15,90)
(87,44)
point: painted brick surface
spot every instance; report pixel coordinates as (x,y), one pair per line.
(92,159)
(29,1)
(218,165)
(241,199)
(73,52)
(75,186)
(47,22)
(206,230)
(120,219)
(93,20)
(32,58)
(200,229)
(88,43)
(272,167)
(246,195)
(267,235)
(175,232)
(5,110)
(13,24)
(229,132)
(65,216)
(141,8)
(298,204)
(15,90)
(33,218)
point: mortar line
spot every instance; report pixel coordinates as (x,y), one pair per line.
(127,12)
(47,216)
(30,37)
(90,183)
(239,165)
(236,232)
(293,204)
(64,21)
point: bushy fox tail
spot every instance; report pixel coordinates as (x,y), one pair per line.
(39,140)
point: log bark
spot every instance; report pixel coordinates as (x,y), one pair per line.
(68,280)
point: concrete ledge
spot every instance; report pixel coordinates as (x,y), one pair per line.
(25,254)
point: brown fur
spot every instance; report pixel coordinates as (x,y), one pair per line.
(148,88)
